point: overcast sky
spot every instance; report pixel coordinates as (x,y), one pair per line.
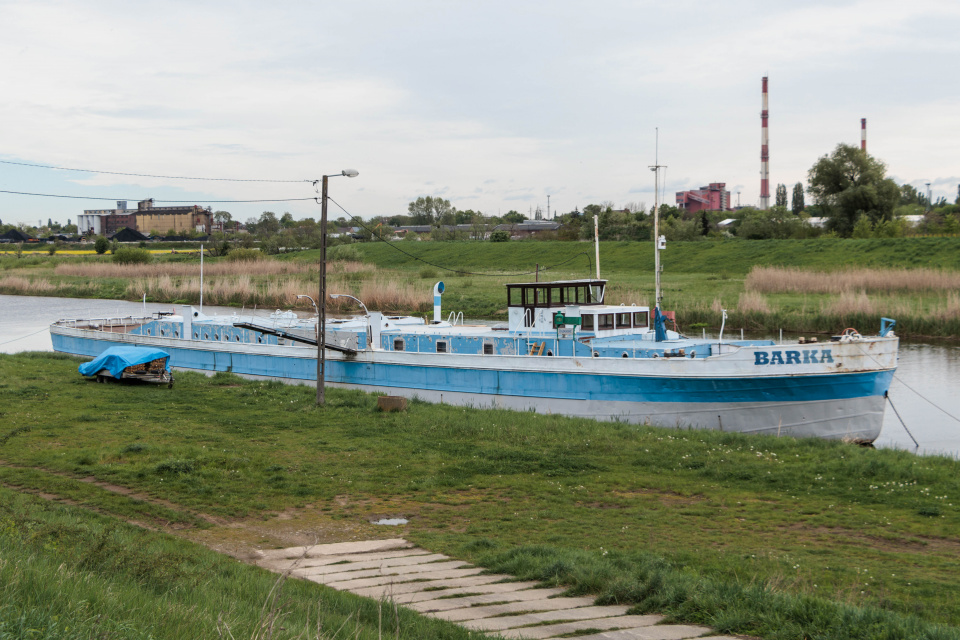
(492,105)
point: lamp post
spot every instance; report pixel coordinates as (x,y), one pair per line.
(322,319)
(334,296)
(315,309)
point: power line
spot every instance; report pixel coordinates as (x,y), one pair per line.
(145,175)
(54,195)
(458,271)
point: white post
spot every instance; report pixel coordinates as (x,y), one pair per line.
(201,277)
(596,240)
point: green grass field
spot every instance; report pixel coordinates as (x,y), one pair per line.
(775,537)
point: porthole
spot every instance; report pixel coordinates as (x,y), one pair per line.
(549,353)
(149,332)
(206,336)
(625,355)
(196,334)
(259,340)
(237,338)
(216,337)
(176,334)
(596,355)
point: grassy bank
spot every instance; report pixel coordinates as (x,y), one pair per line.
(67,573)
(777,537)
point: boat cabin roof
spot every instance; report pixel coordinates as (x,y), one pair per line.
(558,293)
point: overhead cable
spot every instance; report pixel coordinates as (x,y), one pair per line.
(145,175)
(195,200)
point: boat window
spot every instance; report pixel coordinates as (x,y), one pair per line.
(148,332)
(514,297)
(586,322)
(237,338)
(176,334)
(398,344)
(488,348)
(596,293)
(206,336)
(605,321)
(441,346)
(640,319)
(196,334)
(623,320)
(549,353)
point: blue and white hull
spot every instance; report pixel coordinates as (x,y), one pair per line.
(829,390)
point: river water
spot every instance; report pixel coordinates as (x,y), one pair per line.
(925,390)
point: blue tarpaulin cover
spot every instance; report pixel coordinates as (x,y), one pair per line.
(116,359)
(660,325)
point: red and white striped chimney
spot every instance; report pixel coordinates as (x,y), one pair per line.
(863,134)
(764,151)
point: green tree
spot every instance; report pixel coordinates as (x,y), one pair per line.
(908,194)
(863,228)
(430,210)
(287,221)
(101,245)
(513,217)
(500,235)
(782,195)
(797,205)
(848,184)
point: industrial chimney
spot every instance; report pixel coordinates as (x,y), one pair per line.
(764,151)
(863,134)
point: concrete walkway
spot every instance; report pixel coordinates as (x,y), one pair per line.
(441,587)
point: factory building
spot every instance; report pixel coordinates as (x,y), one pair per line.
(146,218)
(713,197)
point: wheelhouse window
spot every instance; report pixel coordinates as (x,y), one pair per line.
(641,319)
(623,320)
(398,344)
(605,321)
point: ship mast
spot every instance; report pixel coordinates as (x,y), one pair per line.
(656,220)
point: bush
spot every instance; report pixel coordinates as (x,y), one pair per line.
(101,245)
(344,252)
(244,255)
(127,255)
(500,236)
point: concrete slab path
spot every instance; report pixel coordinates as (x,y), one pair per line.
(442,587)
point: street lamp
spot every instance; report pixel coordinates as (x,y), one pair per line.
(300,295)
(322,320)
(335,296)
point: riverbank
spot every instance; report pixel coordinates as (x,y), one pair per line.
(807,536)
(847,281)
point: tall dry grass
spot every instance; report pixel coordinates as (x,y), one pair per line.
(379,294)
(752,302)
(181,269)
(622,295)
(21,285)
(793,280)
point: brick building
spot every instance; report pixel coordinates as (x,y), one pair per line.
(713,197)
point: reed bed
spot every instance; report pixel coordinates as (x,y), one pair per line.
(18,285)
(794,280)
(752,302)
(184,269)
(380,293)
(623,295)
